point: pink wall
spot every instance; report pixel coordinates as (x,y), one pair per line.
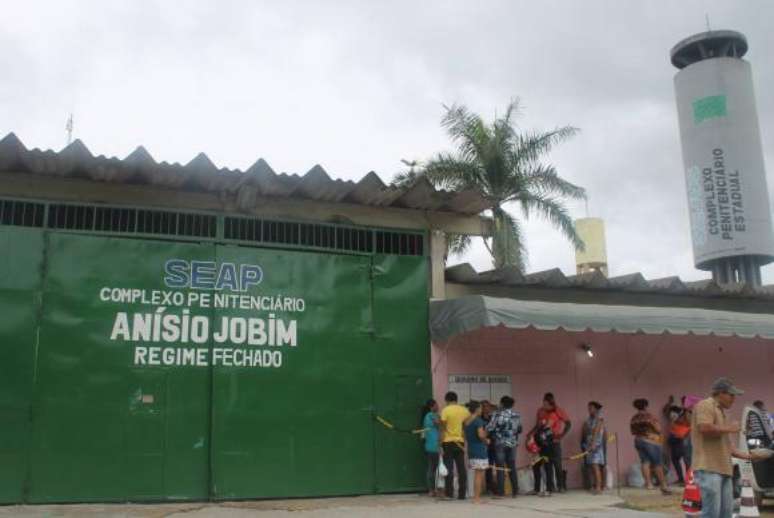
(624,367)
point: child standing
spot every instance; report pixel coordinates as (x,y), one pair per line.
(544,439)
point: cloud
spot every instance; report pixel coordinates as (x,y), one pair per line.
(357,86)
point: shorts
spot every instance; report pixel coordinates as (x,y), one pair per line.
(597,456)
(479,464)
(649,452)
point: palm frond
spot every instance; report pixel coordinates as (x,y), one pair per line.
(508,245)
(452,173)
(405,179)
(457,244)
(503,130)
(530,147)
(467,130)
(545,180)
(556,214)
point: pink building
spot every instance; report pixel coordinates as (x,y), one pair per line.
(499,333)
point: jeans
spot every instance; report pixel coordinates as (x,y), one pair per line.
(453,454)
(432,469)
(505,457)
(556,459)
(491,486)
(717,494)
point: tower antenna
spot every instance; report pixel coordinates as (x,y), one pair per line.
(706,18)
(69,129)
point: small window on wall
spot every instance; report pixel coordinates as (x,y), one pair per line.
(480,387)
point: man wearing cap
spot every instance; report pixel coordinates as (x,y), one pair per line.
(713,449)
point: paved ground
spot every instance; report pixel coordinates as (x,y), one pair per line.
(574,504)
(669,506)
(634,503)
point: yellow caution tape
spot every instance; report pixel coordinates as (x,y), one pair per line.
(391,426)
(385,422)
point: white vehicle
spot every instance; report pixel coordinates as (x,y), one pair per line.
(759,473)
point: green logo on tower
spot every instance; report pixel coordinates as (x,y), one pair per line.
(710,107)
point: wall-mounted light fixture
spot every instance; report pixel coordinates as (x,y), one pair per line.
(588,350)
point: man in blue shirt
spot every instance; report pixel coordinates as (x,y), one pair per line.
(505,426)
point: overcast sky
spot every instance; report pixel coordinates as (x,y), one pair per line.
(356,86)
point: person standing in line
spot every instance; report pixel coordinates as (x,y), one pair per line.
(594,445)
(713,447)
(647,441)
(477,442)
(505,428)
(544,441)
(560,425)
(679,437)
(487,410)
(453,417)
(430,422)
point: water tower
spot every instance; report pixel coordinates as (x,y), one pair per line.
(723,157)
(594,256)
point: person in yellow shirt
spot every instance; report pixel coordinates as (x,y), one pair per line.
(453,418)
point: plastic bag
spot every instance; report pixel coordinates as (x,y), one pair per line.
(440,475)
(634,477)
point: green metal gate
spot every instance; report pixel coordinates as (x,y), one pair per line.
(111,390)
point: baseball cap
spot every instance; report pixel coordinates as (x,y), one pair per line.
(727,386)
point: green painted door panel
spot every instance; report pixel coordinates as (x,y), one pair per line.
(402,380)
(21,260)
(90,441)
(145,433)
(117,414)
(303,428)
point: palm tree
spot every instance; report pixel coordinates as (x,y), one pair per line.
(506,166)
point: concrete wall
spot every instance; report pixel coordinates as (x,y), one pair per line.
(624,367)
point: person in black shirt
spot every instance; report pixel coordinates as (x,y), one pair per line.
(544,438)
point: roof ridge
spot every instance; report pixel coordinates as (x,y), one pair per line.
(201,174)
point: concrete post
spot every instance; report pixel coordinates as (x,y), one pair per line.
(437,264)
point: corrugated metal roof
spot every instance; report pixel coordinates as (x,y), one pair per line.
(634,282)
(452,317)
(200,174)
